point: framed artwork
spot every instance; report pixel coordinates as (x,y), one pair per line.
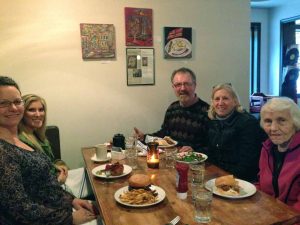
(140,66)
(177,42)
(98,41)
(138,27)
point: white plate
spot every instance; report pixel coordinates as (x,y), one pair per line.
(161,196)
(94,158)
(247,189)
(127,170)
(178,47)
(193,162)
(168,146)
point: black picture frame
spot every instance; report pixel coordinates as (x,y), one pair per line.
(140,66)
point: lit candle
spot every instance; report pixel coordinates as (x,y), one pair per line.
(153,155)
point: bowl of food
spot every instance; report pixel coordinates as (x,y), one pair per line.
(190,157)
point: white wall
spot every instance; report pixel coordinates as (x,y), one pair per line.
(89,100)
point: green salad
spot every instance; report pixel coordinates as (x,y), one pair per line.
(190,157)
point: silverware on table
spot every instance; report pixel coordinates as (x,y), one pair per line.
(174,221)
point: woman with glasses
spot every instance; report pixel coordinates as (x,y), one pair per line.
(29,192)
(235,136)
(279,167)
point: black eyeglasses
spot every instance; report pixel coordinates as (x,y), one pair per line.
(7,103)
(185,84)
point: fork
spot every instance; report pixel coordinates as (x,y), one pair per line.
(174,221)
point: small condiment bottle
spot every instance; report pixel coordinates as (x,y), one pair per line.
(182,180)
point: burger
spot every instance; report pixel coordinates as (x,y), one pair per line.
(227,185)
(139,181)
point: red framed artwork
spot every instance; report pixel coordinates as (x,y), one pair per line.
(138,25)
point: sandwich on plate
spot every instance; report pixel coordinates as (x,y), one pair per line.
(227,185)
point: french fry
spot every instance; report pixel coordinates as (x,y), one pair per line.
(138,197)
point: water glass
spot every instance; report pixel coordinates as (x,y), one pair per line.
(195,188)
(170,157)
(202,203)
(197,173)
(131,152)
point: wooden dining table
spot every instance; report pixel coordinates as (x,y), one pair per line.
(258,209)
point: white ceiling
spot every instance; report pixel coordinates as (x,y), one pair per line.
(270,3)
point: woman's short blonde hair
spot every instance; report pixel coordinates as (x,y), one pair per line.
(39,133)
(227,87)
(281,104)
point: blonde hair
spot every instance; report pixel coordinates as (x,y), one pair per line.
(40,133)
(227,87)
(282,104)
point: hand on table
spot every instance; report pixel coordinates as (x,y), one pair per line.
(80,203)
(82,216)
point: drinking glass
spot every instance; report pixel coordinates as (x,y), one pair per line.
(202,203)
(198,173)
(131,152)
(170,157)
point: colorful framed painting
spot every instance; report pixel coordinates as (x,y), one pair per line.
(177,42)
(138,27)
(140,66)
(98,41)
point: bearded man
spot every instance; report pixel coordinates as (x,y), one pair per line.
(185,119)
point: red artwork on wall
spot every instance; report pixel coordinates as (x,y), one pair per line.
(138,25)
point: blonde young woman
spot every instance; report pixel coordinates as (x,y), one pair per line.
(32,130)
(29,193)
(235,137)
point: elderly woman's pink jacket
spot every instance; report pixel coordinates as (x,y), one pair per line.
(289,178)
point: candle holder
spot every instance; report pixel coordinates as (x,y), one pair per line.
(153,155)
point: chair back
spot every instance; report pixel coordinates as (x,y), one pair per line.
(52,134)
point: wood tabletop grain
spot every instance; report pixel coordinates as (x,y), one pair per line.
(259,209)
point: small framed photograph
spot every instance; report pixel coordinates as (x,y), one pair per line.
(140,66)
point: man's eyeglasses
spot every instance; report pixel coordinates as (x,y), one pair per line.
(7,103)
(185,84)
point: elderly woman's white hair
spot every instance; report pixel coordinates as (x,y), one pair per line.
(281,104)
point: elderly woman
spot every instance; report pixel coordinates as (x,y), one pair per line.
(29,193)
(235,137)
(279,165)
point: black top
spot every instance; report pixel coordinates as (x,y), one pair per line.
(187,125)
(278,162)
(29,193)
(235,144)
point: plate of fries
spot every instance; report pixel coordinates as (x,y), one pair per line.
(140,197)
